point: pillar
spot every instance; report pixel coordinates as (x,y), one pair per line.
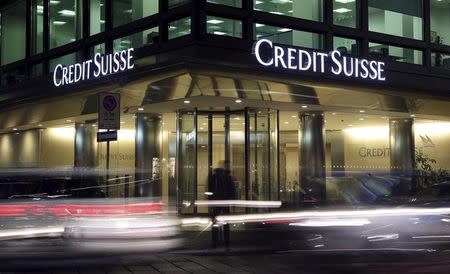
(86,144)
(148,152)
(401,142)
(312,155)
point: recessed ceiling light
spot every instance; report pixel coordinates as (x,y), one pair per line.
(59,23)
(334,113)
(350,125)
(201,128)
(294,116)
(258,25)
(140,109)
(122,122)
(69,13)
(257,2)
(238,101)
(284,30)
(362,111)
(14,128)
(361,119)
(345,1)
(54,2)
(342,10)
(187,101)
(412,115)
(305,106)
(219,33)
(68,120)
(214,21)
(286,123)
(40,125)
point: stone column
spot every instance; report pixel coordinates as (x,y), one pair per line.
(312,155)
(148,151)
(86,144)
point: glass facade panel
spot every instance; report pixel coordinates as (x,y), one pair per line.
(398,54)
(65,22)
(65,60)
(97,10)
(345,13)
(100,48)
(440,22)
(288,36)
(224,26)
(231,3)
(13,30)
(37,70)
(136,40)
(37,27)
(126,11)
(440,60)
(400,18)
(180,28)
(306,9)
(176,3)
(345,45)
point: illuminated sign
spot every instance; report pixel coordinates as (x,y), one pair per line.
(282,57)
(100,65)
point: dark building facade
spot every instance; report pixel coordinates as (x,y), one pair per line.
(304,98)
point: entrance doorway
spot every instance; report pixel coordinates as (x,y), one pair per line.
(248,139)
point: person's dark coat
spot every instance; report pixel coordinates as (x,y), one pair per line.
(221,185)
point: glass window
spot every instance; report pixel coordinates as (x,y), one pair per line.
(288,36)
(97,10)
(65,60)
(232,3)
(345,45)
(224,26)
(400,18)
(100,48)
(305,9)
(37,27)
(126,11)
(440,22)
(398,54)
(65,22)
(176,3)
(345,13)
(180,28)
(440,60)
(13,29)
(136,40)
(37,70)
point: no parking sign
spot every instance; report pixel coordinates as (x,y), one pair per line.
(109,111)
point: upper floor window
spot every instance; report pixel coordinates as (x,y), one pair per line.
(231,3)
(224,26)
(440,22)
(65,22)
(305,9)
(37,26)
(126,11)
(13,29)
(400,18)
(97,10)
(345,13)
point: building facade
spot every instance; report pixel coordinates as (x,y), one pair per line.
(304,98)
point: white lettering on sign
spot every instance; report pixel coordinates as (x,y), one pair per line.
(270,55)
(100,65)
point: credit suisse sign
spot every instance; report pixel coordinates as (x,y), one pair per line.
(100,65)
(289,58)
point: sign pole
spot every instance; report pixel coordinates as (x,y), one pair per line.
(107,166)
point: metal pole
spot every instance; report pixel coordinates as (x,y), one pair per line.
(107,166)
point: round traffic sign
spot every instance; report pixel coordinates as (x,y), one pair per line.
(109,103)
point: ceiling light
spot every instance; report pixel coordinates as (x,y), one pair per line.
(286,123)
(345,1)
(214,21)
(361,119)
(186,101)
(201,128)
(70,13)
(304,106)
(350,125)
(362,111)
(54,2)
(128,11)
(68,120)
(258,25)
(257,2)
(334,113)
(102,21)
(59,23)
(238,101)
(219,33)
(294,116)
(14,128)
(40,125)
(284,30)
(277,12)
(342,10)
(141,109)
(122,122)
(412,115)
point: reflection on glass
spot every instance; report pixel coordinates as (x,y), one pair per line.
(224,26)
(65,22)
(345,45)
(180,28)
(136,40)
(38,27)
(100,48)
(237,152)
(187,162)
(13,30)
(345,13)
(400,18)
(397,54)
(440,22)
(288,36)
(305,9)
(97,10)
(232,3)
(126,11)
(441,60)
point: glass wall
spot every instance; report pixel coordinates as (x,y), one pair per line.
(288,36)
(13,31)
(180,28)
(305,9)
(400,18)
(224,26)
(65,22)
(440,22)
(65,60)
(397,54)
(37,27)
(441,60)
(345,13)
(126,11)
(231,3)
(136,40)
(345,45)
(97,10)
